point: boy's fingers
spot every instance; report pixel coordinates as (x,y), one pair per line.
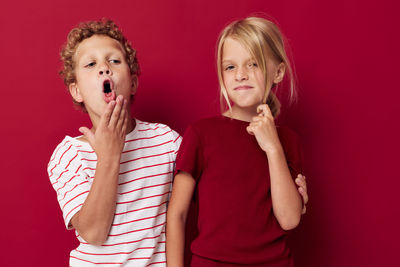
(122,116)
(116,112)
(105,118)
(87,133)
(125,124)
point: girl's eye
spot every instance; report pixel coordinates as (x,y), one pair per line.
(115,61)
(229,67)
(253,65)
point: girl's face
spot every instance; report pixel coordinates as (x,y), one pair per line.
(243,78)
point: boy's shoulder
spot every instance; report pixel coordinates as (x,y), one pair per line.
(144,128)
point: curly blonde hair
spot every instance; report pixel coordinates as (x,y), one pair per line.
(86,30)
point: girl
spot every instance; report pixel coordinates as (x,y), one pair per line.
(241,163)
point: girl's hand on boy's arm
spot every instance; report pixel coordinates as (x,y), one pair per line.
(263,128)
(109,138)
(301,182)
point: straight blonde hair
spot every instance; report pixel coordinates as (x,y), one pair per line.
(260,36)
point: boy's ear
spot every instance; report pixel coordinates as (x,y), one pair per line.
(280,72)
(75,93)
(135,83)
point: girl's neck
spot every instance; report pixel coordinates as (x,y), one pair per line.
(243,114)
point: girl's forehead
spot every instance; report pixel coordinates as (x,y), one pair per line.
(234,49)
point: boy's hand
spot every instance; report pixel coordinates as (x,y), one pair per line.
(109,138)
(263,128)
(301,182)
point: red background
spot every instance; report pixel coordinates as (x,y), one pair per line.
(346,55)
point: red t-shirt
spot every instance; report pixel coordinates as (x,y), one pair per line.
(236,223)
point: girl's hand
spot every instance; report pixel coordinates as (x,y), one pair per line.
(263,128)
(301,182)
(109,138)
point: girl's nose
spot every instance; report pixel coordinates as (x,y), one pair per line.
(241,75)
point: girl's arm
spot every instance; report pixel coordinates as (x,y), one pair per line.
(286,201)
(178,207)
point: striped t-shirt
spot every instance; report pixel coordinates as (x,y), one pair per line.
(137,235)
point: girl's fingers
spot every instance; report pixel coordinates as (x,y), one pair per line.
(304,195)
(250,129)
(116,112)
(300,181)
(264,110)
(304,210)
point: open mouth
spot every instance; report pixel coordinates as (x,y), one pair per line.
(108,91)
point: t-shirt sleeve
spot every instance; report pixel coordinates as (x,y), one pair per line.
(189,157)
(177,140)
(68,180)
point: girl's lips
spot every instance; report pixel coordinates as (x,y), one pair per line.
(243,87)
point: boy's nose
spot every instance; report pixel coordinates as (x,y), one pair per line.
(101,72)
(104,69)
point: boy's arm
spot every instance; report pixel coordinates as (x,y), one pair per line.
(178,207)
(93,221)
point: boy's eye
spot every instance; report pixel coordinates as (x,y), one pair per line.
(91,64)
(115,61)
(229,67)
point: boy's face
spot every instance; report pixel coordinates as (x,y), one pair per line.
(101,74)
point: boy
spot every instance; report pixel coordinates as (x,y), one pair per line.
(113,182)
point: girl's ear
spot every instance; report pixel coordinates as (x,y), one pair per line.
(135,83)
(75,93)
(280,73)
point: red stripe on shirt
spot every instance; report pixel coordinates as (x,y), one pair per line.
(59,177)
(150,156)
(142,219)
(144,177)
(125,243)
(145,167)
(62,155)
(143,130)
(150,137)
(66,183)
(71,160)
(129,211)
(157,262)
(73,210)
(54,155)
(138,230)
(74,198)
(144,147)
(96,262)
(126,202)
(145,187)
(73,189)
